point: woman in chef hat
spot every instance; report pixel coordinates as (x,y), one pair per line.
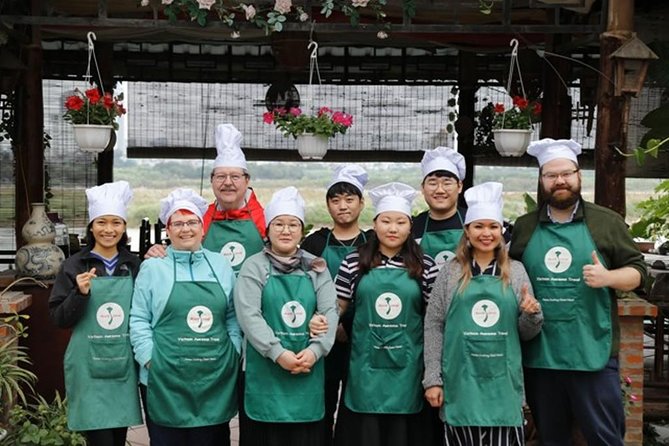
(480,308)
(92,295)
(389,279)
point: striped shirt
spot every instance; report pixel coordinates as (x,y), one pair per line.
(347,277)
(110,264)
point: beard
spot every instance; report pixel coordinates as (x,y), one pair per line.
(565,202)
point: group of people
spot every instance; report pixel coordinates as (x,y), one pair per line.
(423,330)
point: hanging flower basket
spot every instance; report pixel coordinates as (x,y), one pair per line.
(91,137)
(312,147)
(512,142)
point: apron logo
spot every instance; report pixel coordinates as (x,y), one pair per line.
(485,313)
(442,257)
(293,314)
(234,252)
(388,306)
(110,315)
(200,319)
(558,259)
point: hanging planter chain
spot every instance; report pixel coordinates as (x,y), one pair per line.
(514,63)
(87,77)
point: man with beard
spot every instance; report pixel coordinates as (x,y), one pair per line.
(345,203)
(577,255)
(234,224)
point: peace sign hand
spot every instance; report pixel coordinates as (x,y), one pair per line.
(528,304)
(84,281)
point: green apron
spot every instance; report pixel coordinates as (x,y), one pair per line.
(441,245)
(194,365)
(386,365)
(100,374)
(334,254)
(481,361)
(576,334)
(235,239)
(272,394)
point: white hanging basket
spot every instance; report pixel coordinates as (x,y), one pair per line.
(312,147)
(512,142)
(92,138)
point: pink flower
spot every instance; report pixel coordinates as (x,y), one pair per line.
(323,110)
(359,3)
(634,398)
(206,4)
(268,117)
(250,11)
(283,6)
(382,35)
(295,111)
(304,17)
(342,118)
(628,380)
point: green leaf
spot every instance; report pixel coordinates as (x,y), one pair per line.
(639,156)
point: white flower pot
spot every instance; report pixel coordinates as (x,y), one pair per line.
(312,147)
(512,142)
(92,138)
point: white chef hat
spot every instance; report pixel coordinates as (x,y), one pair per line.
(548,149)
(393,197)
(443,158)
(228,147)
(109,199)
(352,174)
(484,202)
(182,199)
(286,201)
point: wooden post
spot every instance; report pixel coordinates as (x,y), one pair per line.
(556,120)
(609,165)
(29,149)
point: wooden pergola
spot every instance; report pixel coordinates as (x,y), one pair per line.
(462,42)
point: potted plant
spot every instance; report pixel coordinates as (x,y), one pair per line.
(654,222)
(311,131)
(93,117)
(512,128)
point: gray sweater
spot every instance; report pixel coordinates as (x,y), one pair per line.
(444,288)
(247,297)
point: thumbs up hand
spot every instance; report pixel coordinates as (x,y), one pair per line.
(595,275)
(528,304)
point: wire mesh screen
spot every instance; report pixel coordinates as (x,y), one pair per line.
(385,117)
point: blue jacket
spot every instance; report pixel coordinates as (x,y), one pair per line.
(152,290)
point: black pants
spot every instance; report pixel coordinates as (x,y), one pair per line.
(593,400)
(216,435)
(106,437)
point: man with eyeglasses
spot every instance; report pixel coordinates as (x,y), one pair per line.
(438,230)
(577,254)
(234,224)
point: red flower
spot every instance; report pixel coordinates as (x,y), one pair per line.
(74,103)
(295,111)
(342,118)
(268,117)
(108,101)
(520,102)
(323,110)
(499,108)
(93,95)
(537,108)
(119,109)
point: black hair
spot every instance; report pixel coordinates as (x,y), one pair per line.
(90,240)
(411,253)
(342,188)
(442,174)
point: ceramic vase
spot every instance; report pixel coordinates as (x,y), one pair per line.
(312,147)
(39,257)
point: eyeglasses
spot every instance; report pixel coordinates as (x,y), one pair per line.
(446,185)
(280,227)
(234,177)
(553,176)
(179,225)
